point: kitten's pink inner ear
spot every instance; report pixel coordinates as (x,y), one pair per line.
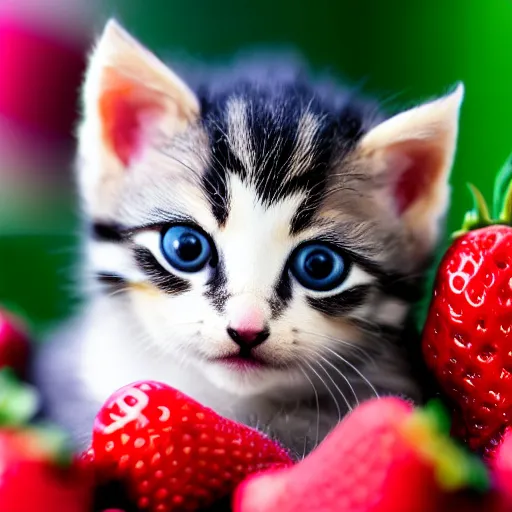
(417,167)
(127,110)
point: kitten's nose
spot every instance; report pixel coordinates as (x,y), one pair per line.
(247,325)
(248,338)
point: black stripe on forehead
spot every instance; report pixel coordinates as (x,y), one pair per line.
(273,121)
(215,178)
(332,144)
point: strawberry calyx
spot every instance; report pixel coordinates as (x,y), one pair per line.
(479,216)
(18,401)
(502,204)
(42,443)
(427,430)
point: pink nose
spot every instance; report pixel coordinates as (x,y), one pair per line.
(247,326)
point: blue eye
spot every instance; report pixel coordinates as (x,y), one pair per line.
(318,267)
(186,248)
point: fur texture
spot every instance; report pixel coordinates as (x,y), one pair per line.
(261,165)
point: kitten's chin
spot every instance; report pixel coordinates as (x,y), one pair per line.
(244,379)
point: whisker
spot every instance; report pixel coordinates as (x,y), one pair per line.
(305,448)
(317,405)
(345,378)
(368,326)
(328,389)
(348,363)
(352,346)
(342,375)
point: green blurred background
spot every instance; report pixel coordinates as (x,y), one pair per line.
(401,51)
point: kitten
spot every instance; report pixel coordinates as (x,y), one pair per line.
(255,241)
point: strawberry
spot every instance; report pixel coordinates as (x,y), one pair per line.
(170,452)
(467,337)
(502,473)
(32,477)
(384,457)
(14,343)
(36,472)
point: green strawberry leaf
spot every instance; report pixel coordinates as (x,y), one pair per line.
(503,193)
(478,475)
(439,415)
(54,442)
(18,401)
(506,212)
(479,216)
(455,467)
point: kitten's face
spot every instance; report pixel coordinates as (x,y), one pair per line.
(240,270)
(247,299)
(248,306)
(265,233)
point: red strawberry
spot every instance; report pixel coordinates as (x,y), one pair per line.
(382,458)
(172,453)
(502,472)
(31,479)
(467,339)
(14,343)
(35,471)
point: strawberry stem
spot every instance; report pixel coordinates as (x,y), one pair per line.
(479,216)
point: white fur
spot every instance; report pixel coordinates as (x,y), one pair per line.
(238,134)
(114,259)
(302,157)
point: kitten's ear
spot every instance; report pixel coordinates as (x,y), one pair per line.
(129,95)
(411,154)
